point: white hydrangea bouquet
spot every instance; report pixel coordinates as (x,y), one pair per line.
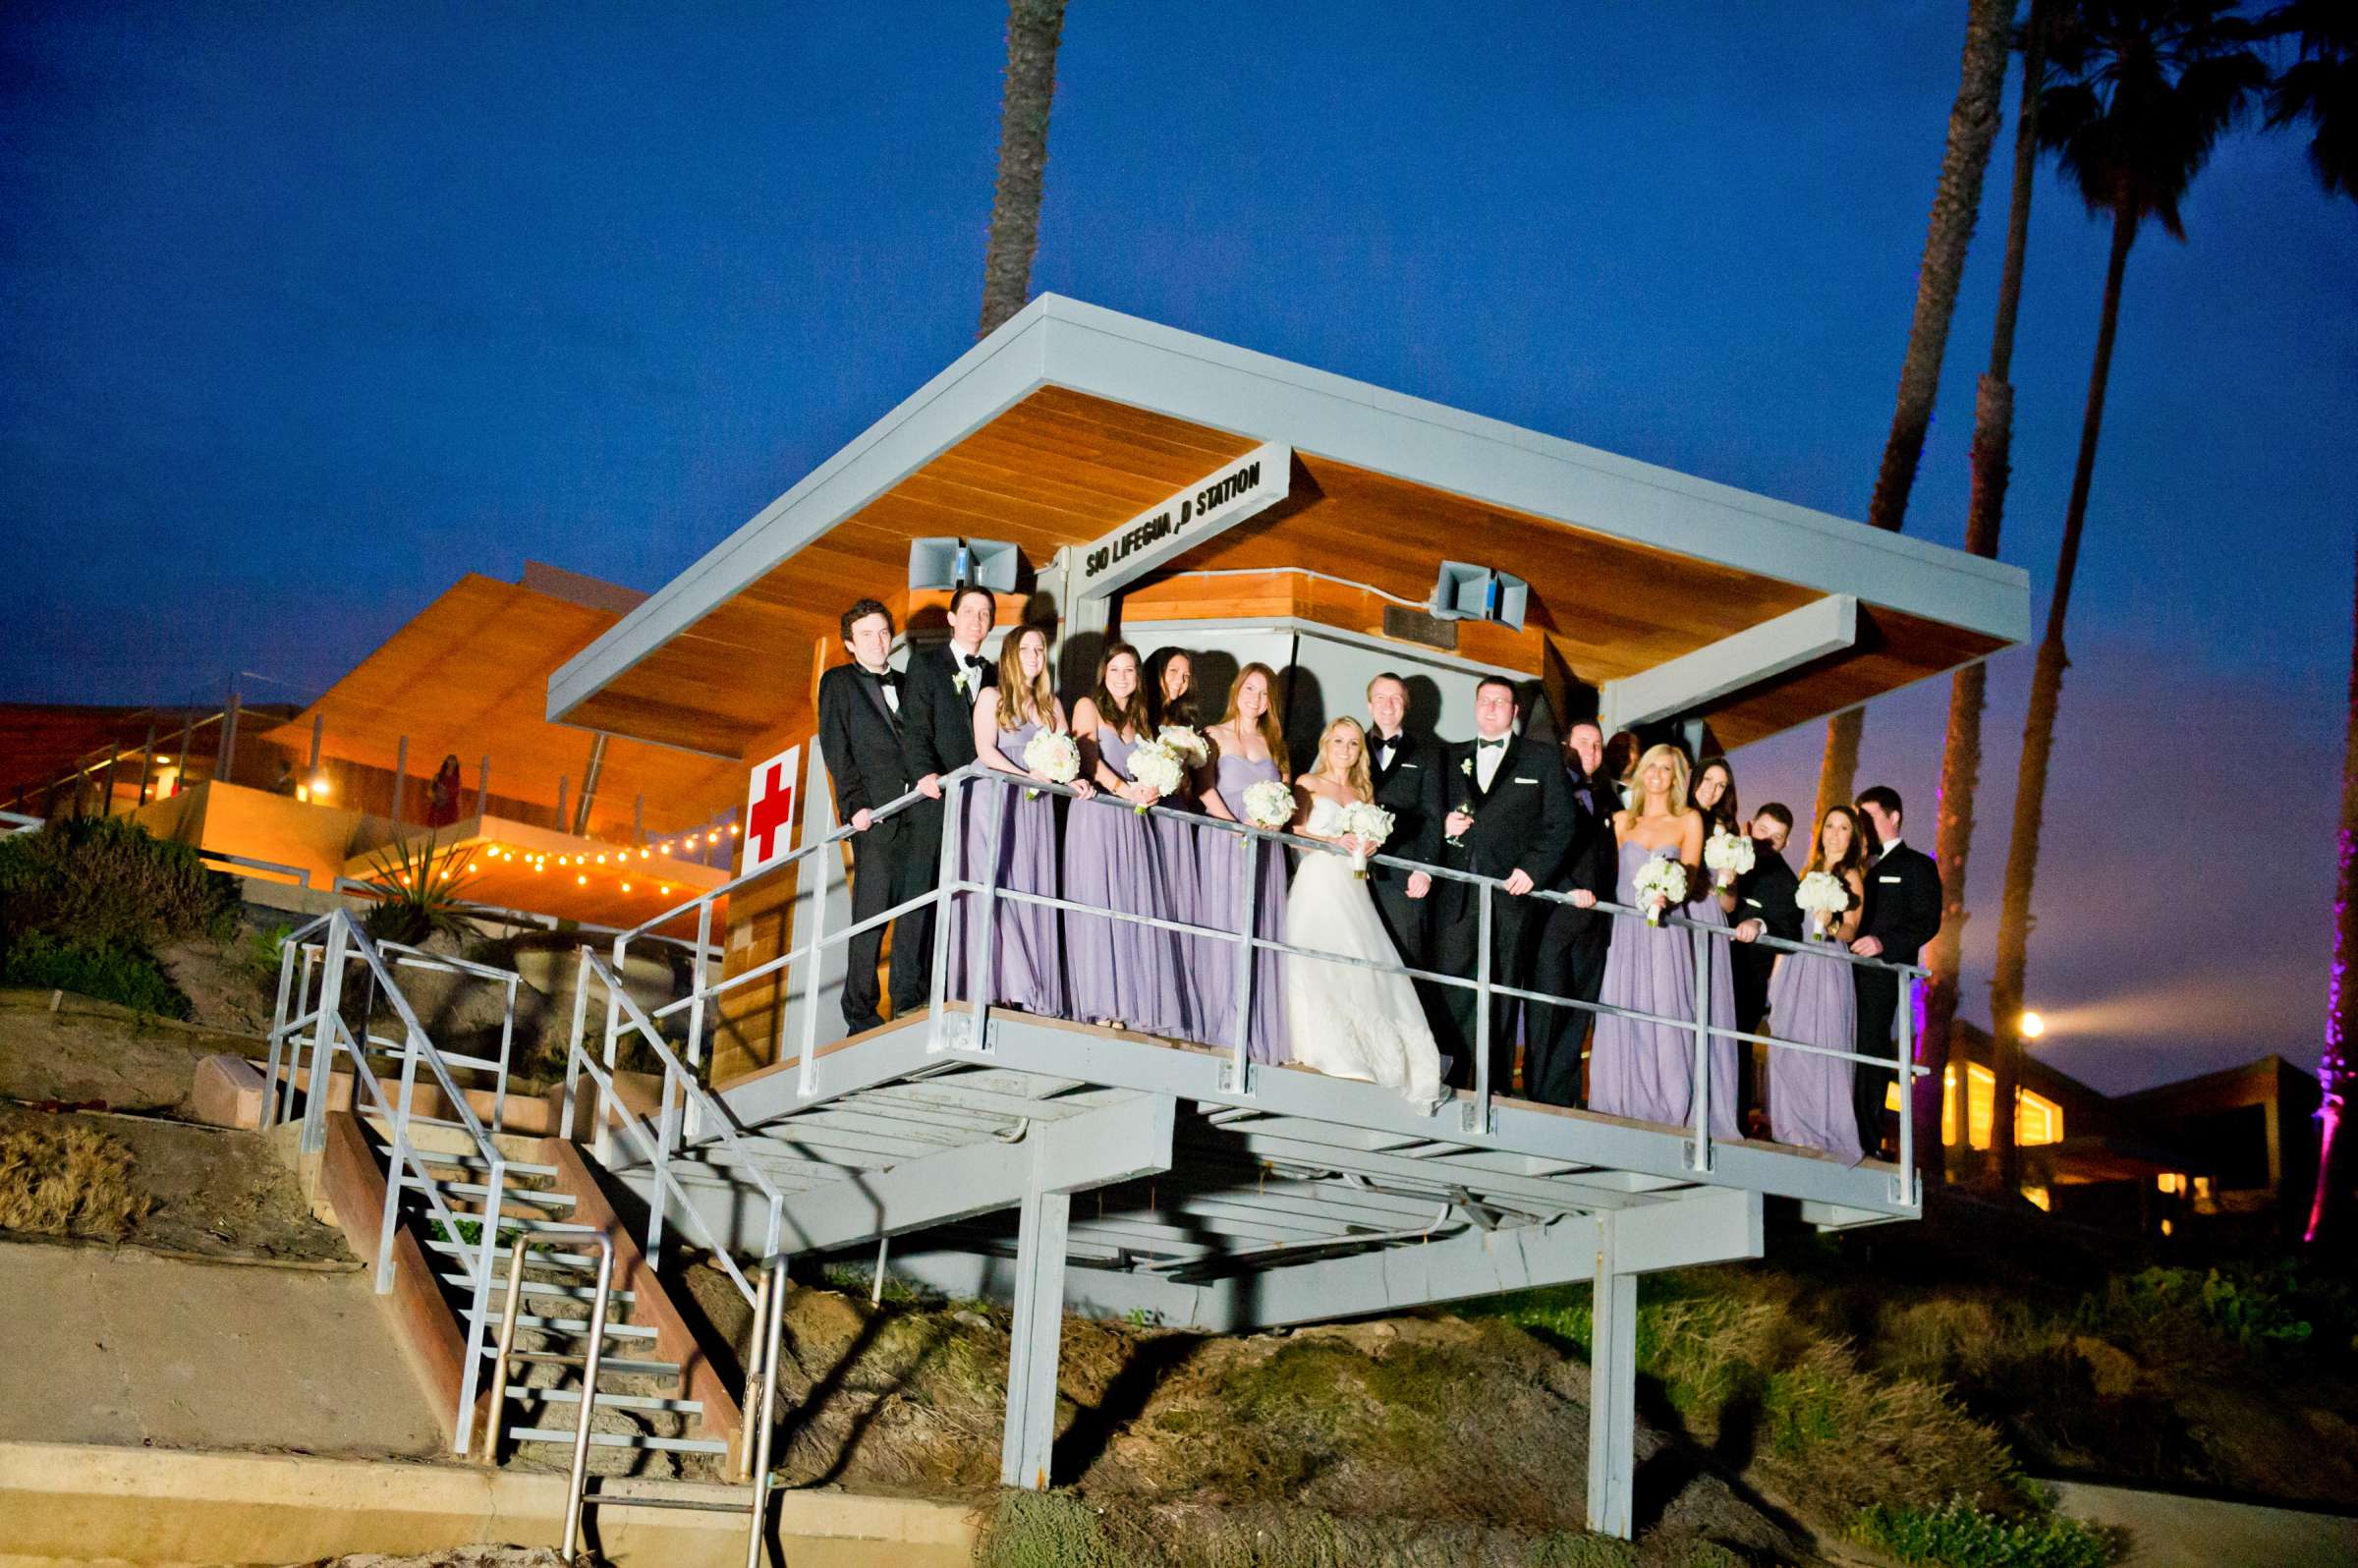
(1158,766)
(1729,855)
(1054,756)
(1269,804)
(1188,745)
(1821,893)
(1661,883)
(1369,821)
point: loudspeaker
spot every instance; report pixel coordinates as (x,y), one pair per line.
(950,563)
(1468,592)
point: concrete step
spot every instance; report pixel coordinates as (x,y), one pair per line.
(508,1195)
(616,1439)
(620,1365)
(580,1325)
(573,1396)
(536,1287)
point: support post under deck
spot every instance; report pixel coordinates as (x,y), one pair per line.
(1612,1390)
(1044,1220)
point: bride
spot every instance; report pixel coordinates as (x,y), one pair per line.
(1345,1020)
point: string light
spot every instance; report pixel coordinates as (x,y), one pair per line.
(626,887)
(581,881)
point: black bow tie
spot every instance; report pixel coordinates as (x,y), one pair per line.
(891,678)
(1499,743)
(974,661)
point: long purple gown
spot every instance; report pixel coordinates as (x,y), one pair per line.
(1815,1001)
(1026,967)
(1220,869)
(1727,1055)
(1180,858)
(1647,1071)
(1118,971)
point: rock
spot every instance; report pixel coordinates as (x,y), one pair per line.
(227,1093)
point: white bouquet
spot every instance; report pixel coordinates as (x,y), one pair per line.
(1187,745)
(1367,820)
(1661,883)
(1158,767)
(1729,855)
(1269,804)
(1821,893)
(1054,756)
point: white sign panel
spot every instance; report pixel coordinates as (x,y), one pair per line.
(769,801)
(1259,479)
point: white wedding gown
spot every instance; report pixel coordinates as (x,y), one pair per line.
(1349,1021)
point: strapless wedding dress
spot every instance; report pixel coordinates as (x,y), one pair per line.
(1346,1021)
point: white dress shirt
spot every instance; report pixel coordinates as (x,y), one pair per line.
(1487,755)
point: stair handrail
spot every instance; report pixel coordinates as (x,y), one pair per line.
(714,1118)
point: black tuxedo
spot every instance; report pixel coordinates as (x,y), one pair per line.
(1523,821)
(1411,789)
(1572,944)
(1902,911)
(860,735)
(1764,894)
(938,735)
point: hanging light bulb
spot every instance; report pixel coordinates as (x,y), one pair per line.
(626,887)
(581,881)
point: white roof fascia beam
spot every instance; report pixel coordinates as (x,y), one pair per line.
(1682,685)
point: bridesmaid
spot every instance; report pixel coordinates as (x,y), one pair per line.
(1027,969)
(1716,803)
(1814,1000)
(1123,974)
(1247,747)
(1640,1070)
(1171,699)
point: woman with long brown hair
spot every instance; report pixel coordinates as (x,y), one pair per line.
(1639,1069)
(1121,973)
(1248,747)
(1814,1000)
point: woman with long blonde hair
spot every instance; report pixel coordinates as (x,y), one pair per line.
(1346,1021)
(1024,965)
(1814,1000)
(1643,1070)
(1121,973)
(1248,747)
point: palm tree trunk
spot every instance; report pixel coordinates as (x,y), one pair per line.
(1035,28)
(2325,1210)
(1956,202)
(2038,735)
(1961,751)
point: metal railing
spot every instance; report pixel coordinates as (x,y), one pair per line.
(982,899)
(327,947)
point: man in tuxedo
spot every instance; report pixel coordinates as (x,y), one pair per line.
(1902,912)
(1511,818)
(1764,907)
(937,737)
(1407,773)
(860,721)
(1570,961)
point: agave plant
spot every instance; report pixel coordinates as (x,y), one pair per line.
(420,893)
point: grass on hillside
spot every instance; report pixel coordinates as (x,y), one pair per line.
(75,1182)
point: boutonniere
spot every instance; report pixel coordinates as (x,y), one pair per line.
(959,681)
(1466,767)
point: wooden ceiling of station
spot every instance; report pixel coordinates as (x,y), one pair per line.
(469,674)
(1062,468)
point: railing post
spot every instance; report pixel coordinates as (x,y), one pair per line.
(507,1038)
(396,1173)
(806,1068)
(563,780)
(286,1091)
(146,759)
(667,1132)
(278,1025)
(331,997)
(319,734)
(613,1046)
(760,1402)
(945,899)
(1248,884)
(482,786)
(578,1475)
(696,1011)
(225,761)
(573,1055)
(401,773)
(1477,1114)
(478,1311)
(1700,1156)
(1906,1189)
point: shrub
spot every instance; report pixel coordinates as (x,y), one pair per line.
(1043,1530)
(74,1182)
(111,973)
(108,882)
(420,895)
(1958,1534)
(2268,1308)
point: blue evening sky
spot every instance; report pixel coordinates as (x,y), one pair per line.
(306,310)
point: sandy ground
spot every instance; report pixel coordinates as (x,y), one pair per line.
(88,1050)
(2173,1532)
(114,1345)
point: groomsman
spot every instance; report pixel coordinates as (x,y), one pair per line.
(1764,907)
(1570,961)
(1407,771)
(1902,912)
(860,723)
(1511,818)
(937,737)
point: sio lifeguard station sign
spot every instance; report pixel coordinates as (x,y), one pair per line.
(1254,483)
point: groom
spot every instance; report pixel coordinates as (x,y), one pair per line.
(937,737)
(1407,771)
(1511,818)
(1901,914)
(860,721)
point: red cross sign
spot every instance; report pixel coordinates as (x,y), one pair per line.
(769,809)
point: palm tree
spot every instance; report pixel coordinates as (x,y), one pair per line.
(1961,751)
(2320,88)
(2158,84)
(1956,202)
(1035,28)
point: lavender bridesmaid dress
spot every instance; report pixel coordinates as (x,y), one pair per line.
(1221,867)
(1179,858)
(1727,1055)
(1815,1001)
(1027,969)
(1118,971)
(1647,1071)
